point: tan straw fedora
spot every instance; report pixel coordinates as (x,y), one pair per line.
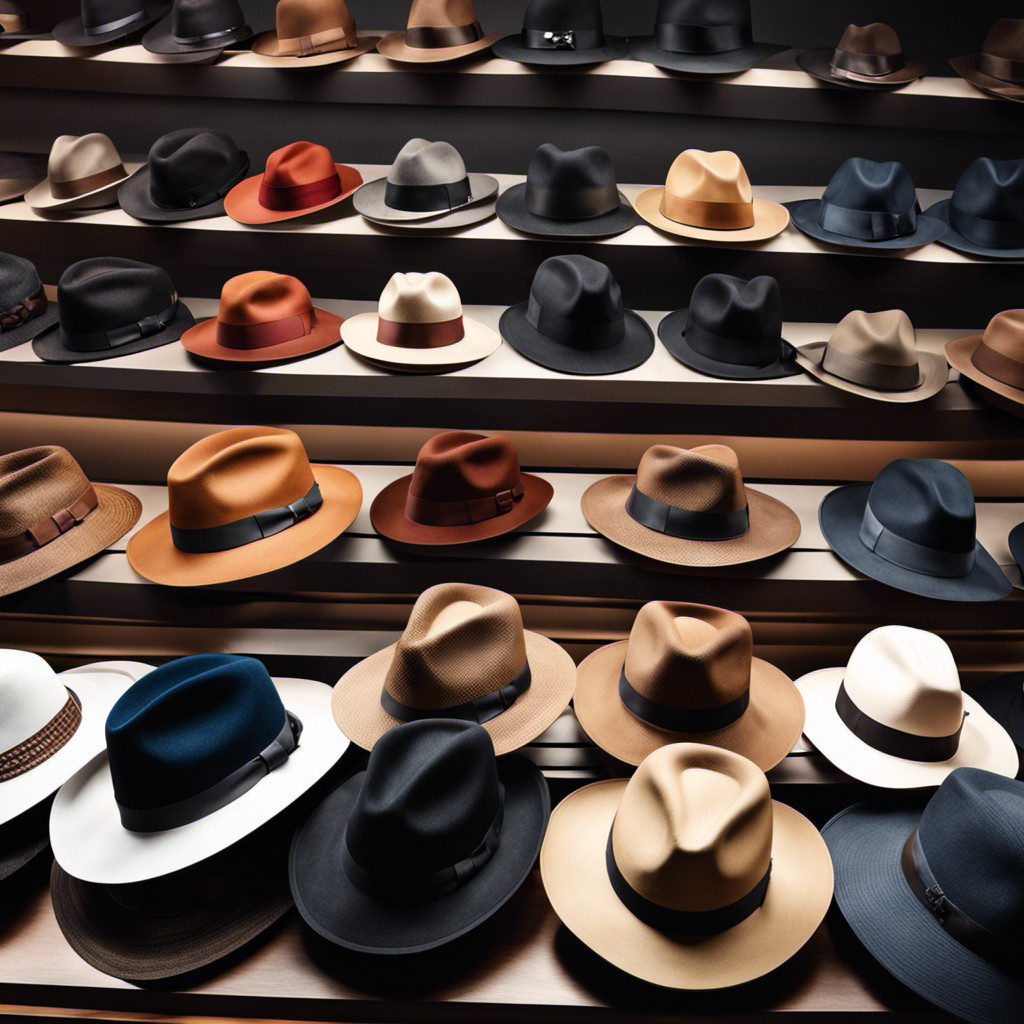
(310,34)
(688,875)
(437,30)
(84,172)
(994,360)
(464,654)
(690,507)
(687,674)
(875,355)
(707,196)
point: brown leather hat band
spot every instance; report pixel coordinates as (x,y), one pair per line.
(23,311)
(428,37)
(41,746)
(700,214)
(50,528)
(998,365)
(299,197)
(264,335)
(877,376)
(1003,68)
(462,513)
(82,186)
(872,65)
(319,42)
(436,335)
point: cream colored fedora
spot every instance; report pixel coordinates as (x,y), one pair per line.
(84,172)
(310,34)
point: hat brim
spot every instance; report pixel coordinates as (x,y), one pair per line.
(266,45)
(360,336)
(72,33)
(242,203)
(15,188)
(513,48)
(866,843)
(1003,698)
(39,197)
(152,554)
(31,328)
(774,528)
(23,839)
(967,68)
(672,331)
(134,198)
(358,712)
(933,369)
(818,64)
(840,516)
(765,733)
(369,201)
(952,239)
(960,354)
(770,219)
(805,218)
(160,39)
(511,210)
(462,217)
(394,47)
(728,62)
(575,876)
(343,914)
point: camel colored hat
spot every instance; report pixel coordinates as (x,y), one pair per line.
(299,178)
(15,24)
(419,326)
(999,68)
(105,21)
(895,715)
(707,196)
(561,33)
(875,355)
(464,654)
(688,875)
(311,34)
(263,318)
(687,674)
(19,172)
(867,57)
(994,360)
(52,517)
(464,488)
(437,30)
(690,507)
(243,502)
(25,310)
(83,172)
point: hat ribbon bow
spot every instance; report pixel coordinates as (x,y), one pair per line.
(867,225)
(23,311)
(146,327)
(50,528)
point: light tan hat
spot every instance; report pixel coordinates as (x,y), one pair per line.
(310,34)
(687,673)
(708,196)
(84,172)
(419,326)
(464,654)
(896,716)
(875,355)
(437,30)
(688,875)
(690,507)
(995,360)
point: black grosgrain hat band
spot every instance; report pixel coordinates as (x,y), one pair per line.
(674,719)
(579,334)
(702,38)
(191,198)
(563,39)
(574,204)
(720,348)
(868,225)
(995,234)
(119,23)
(908,554)
(98,341)
(685,523)
(871,65)
(228,34)
(423,198)
(426,37)
(481,710)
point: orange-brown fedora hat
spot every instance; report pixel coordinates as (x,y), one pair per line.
(312,33)
(994,360)
(437,30)
(243,502)
(299,178)
(263,318)
(464,488)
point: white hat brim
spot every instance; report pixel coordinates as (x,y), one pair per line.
(359,333)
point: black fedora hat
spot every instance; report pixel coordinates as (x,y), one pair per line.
(1003,698)
(935,891)
(867,205)
(186,177)
(104,21)
(732,329)
(561,32)
(914,529)
(23,838)
(25,311)
(703,37)
(15,24)
(985,214)
(198,29)
(422,847)
(867,57)
(109,306)
(568,194)
(574,320)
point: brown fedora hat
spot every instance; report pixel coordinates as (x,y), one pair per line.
(312,33)
(243,502)
(437,30)
(464,488)
(687,674)
(263,318)
(52,517)
(690,507)
(299,178)
(994,360)
(875,355)
(464,654)
(868,56)
(999,67)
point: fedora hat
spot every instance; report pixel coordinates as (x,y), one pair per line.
(574,320)
(561,33)
(687,674)
(688,875)
(186,177)
(999,68)
(732,329)
(707,196)
(1003,698)
(83,172)
(985,214)
(24,309)
(198,29)
(427,186)
(867,205)
(243,502)
(867,57)
(53,518)
(437,30)
(263,318)
(895,716)
(934,892)
(299,178)
(424,845)
(875,355)
(993,360)
(464,488)
(690,507)
(108,307)
(16,25)
(105,21)
(419,327)
(312,33)
(913,528)
(568,194)
(702,37)
(464,654)
(19,172)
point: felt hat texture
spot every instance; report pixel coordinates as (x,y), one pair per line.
(25,310)
(312,33)
(437,31)
(867,57)
(83,172)
(561,33)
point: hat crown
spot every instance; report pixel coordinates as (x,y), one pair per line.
(886,338)
(31,695)
(191,158)
(461,643)
(237,473)
(717,177)
(1005,39)
(297,18)
(414,298)
(108,292)
(299,163)
(577,288)
(748,311)
(35,484)
(420,162)
(875,38)
(693,831)
(870,185)
(704,12)
(570,170)
(459,466)
(19,280)
(97,13)
(992,190)
(79,156)
(563,15)
(441,13)
(191,19)
(702,479)
(1005,334)
(260,296)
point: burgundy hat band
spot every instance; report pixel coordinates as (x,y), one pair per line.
(271,332)
(435,335)
(462,513)
(298,197)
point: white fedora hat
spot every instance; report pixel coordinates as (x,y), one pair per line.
(84,172)
(896,716)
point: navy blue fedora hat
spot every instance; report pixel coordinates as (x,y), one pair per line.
(561,33)
(1003,698)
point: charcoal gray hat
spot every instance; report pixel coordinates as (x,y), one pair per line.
(24,309)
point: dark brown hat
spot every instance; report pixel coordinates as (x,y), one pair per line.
(437,30)
(867,57)
(999,67)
